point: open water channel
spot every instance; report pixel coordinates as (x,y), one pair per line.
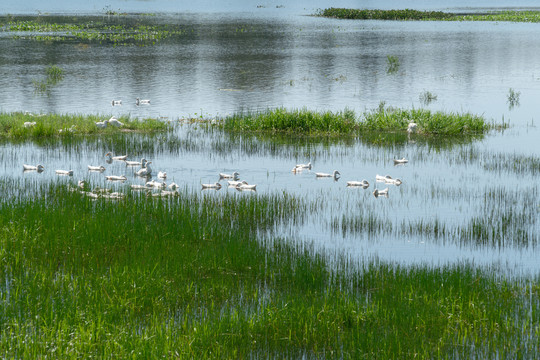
(470,200)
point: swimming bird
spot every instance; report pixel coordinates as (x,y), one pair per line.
(400,161)
(162,175)
(396,182)
(64,172)
(116,102)
(155,184)
(116,178)
(380,178)
(303,166)
(141,102)
(334,174)
(378,192)
(412,128)
(234,176)
(28,124)
(146,170)
(96,168)
(211,186)
(38,168)
(234,183)
(136,163)
(362,183)
(246,186)
(173,186)
(138,187)
(81,184)
(114,122)
(119,157)
(102,124)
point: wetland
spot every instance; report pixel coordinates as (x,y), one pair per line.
(444,266)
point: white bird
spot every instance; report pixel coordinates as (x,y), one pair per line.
(156,184)
(114,122)
(119,157)
(234,183)
(334,174)
(146,170)
(102,124)
(400,161)
(411,129)
(162,175)
(96,168)
(138,187)
(378,192)
(136,163)
(116,102)
(303,166)
(141,102)
(246,187)
(396,182)
(98,190)
(38,168)
(81,184)
(116,178)
(173,186)
(380,178)
(64,172)
(28,124)
(297,170)
(362,183)
(211,186)
(234,176)
(90,194)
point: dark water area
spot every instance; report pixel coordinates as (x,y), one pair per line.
(230,58)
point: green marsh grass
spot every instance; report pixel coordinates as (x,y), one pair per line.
(54,125)
(54,75)
(188,278)
(513,98)
(416,15)
(347,122)
(392,64)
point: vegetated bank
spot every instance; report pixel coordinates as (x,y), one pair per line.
(411,15)
(186,277)
(12,125)
(347,122)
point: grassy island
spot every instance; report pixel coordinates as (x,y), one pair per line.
(408,14)
(31,126)
(347,122)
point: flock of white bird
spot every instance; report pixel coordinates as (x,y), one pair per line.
(355,183)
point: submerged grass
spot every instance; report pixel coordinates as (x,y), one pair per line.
(12,125)
(187,278)
(408,14)
(346,122)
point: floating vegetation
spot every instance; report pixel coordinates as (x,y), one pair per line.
(32,126)
(91,31)
(346,122)
(54,75)
(427,97)
(408,14)
(392,64)
(513,98)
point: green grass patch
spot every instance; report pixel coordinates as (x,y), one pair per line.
(12,125)
(347,122)
(90,30)
(187,278)
(408,14)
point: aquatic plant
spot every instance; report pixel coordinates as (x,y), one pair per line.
(12,125)
(513,98)
(408,14)
(427,97)
(346,122)
(392,64)
(54,75)
(187,277)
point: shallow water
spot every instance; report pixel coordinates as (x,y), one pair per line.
(277,57)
